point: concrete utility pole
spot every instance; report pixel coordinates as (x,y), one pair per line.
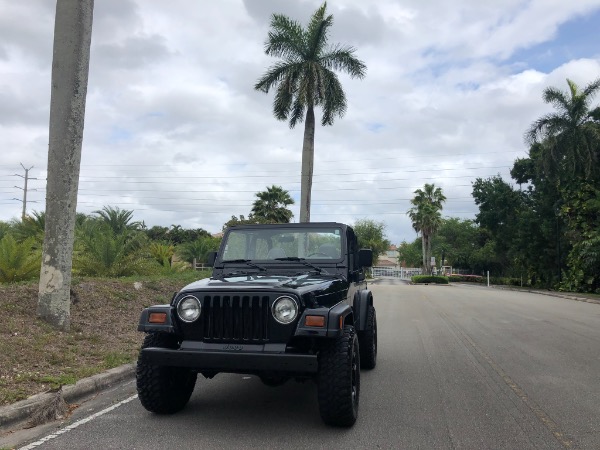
(70,65)
(26,178)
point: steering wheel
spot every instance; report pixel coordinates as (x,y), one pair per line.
(319,254)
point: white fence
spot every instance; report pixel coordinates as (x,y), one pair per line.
(395,272)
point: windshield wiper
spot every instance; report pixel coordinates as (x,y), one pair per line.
(247,261)
(303,261)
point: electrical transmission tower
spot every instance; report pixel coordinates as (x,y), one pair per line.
(24,188)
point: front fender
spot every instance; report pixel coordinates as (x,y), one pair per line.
(362,301)
(337,319)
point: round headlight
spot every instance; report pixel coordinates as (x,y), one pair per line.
(188,308)
(285,310)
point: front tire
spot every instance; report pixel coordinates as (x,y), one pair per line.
(338,380)
(368,341)
(163,389)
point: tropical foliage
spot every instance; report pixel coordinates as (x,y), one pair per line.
(5,229)
(118,220)
(426,218)
(103,253)
(199,249)
(569,136)
(162,253)
(305,78)
(175,234)
(271,205)
(242,220)
(19,261)
(32,226)
(371,234)
(548,231)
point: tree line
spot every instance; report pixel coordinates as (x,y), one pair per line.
(110,243)
(546,232)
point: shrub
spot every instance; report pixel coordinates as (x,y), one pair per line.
(505,281)
(19,261)
(103,253)
(466,278)
(162,253)
(420,279)
(198,249)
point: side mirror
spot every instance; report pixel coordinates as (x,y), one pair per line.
(210,259)
(365,257)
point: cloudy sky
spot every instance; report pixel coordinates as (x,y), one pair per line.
(175,131)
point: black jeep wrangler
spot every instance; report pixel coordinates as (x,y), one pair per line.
(284,301)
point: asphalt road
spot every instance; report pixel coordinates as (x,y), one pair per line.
(459,367)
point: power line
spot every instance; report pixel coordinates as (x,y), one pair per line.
(242,163)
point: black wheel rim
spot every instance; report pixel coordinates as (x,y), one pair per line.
(355,375)
(375,339)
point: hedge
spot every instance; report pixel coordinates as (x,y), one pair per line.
(466,278)
(420,279)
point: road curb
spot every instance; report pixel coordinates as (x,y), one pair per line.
(568,296)
(21,411)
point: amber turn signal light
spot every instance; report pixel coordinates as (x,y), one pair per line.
(315,321)
(157,317)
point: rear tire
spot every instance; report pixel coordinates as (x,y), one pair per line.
(163,389)
(368,341)
(338,380)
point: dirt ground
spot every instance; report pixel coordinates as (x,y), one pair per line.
(34,357)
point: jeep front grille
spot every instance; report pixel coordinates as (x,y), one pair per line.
(236,318)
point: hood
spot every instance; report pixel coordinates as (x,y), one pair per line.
(262,281)
(316,289)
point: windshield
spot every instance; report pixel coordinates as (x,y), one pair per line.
(274,243)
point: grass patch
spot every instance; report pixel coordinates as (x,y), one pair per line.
(35,357)
(57,381)
(117,359)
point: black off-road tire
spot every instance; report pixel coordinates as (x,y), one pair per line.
(163,389)
(368,341)
(338,380)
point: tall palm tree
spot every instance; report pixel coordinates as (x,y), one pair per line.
(570,137)
(426,218)
(271,205)
(305,78)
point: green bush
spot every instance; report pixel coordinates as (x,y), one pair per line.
(102,253)
(420,279)
(505,281)
(466,278)
(19,261)
(162,252)
(198,249)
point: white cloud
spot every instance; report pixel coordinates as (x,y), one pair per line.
(175,131)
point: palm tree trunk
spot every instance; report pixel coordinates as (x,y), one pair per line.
(70,64)
(424,251)
(429,236)
(308,158)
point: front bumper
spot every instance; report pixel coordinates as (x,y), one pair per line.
(230,358)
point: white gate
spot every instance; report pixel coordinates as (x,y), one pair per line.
(403,273)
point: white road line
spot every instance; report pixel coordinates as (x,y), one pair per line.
(76,424)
